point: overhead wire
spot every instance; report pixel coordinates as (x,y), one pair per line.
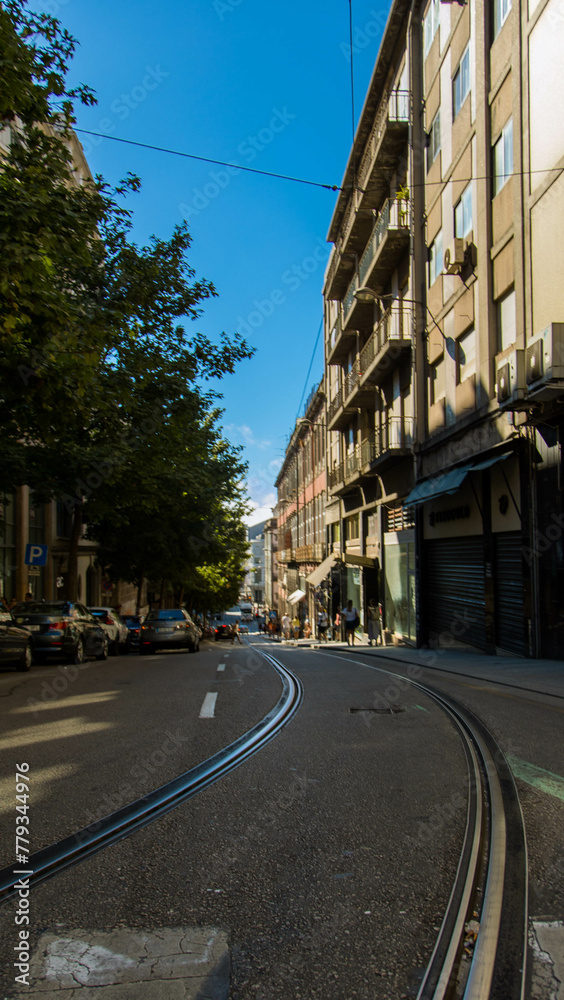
(208,159)
(310,367)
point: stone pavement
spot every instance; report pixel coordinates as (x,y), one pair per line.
(169,963)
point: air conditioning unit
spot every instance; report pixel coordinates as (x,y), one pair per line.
(454,257)
(511,384)
(545,364)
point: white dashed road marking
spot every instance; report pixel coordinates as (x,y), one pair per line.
(221,667)
(208,707)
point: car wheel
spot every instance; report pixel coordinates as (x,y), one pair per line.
(27,658)
(104,654)
(78,657)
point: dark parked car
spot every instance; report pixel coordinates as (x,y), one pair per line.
(222,632)
(167,628)
(16,644)
(62,627)
(133,624)
(112,623)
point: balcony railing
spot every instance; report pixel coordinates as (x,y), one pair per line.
(352,379)
(395,324)
(310,553)
(395,435)
(396,107)
(395,214)
(334,405)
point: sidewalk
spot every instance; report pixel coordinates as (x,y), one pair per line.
(540,676)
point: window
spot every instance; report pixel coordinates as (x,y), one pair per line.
(463,214)
(506,324)
(431,24)
(434,140)
(503,157)
(435,258)
(461,82)
(437,380)
(353,526)
(466,356)
(501,10)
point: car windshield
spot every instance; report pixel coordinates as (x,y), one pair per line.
(164,616)
(131,619)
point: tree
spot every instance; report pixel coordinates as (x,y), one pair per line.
(90,325)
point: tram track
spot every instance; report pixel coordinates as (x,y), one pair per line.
(76,848)
(490,886)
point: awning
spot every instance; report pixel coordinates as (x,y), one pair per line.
(448,482)
(351,560)
(296,596)
(322,571)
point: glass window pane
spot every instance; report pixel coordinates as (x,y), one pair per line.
(467,355)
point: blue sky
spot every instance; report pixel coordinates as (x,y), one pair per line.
(255,84)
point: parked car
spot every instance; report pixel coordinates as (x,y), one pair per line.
(62,627)
(168,627)
(133,624)
(243,629)
(113,625)
(16,644)
(222,632)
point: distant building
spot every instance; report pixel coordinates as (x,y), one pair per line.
(255,574)
(300,514)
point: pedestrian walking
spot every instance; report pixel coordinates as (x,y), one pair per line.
(350,615)
(374,623)
(286,626)
(296,627)
(235,633)
(322,624)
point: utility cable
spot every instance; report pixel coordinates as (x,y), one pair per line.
(208,159)
(310,366)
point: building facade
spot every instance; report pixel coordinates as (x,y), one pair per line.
(300,515)
(445,435)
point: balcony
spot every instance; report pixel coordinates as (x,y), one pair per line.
(387,139)
(340,342)
(388,240)
(388,136)
(286,555)
(391,441)
(309,553)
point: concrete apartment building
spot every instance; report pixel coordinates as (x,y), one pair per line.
(444,312)
(300,515)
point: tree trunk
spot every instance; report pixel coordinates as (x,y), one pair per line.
(72,574)
(161,599)
(181,596)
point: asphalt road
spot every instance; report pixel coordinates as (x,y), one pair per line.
(328,857)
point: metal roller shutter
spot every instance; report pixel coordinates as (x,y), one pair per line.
(510,624)
(454,575)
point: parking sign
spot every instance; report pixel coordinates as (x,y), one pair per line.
(36,555)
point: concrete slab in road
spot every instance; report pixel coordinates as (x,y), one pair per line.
(170,963)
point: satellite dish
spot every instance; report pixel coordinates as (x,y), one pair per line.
(451,347)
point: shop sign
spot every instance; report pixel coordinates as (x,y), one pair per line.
(451,514)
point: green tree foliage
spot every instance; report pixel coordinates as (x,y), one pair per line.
(102,392)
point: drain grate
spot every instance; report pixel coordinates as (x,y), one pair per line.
(394,710)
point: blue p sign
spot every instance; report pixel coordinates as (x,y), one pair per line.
(36,555)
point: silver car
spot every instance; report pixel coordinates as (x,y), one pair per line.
(168,627)
(112,624)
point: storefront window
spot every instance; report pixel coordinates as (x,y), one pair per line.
(400,588)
